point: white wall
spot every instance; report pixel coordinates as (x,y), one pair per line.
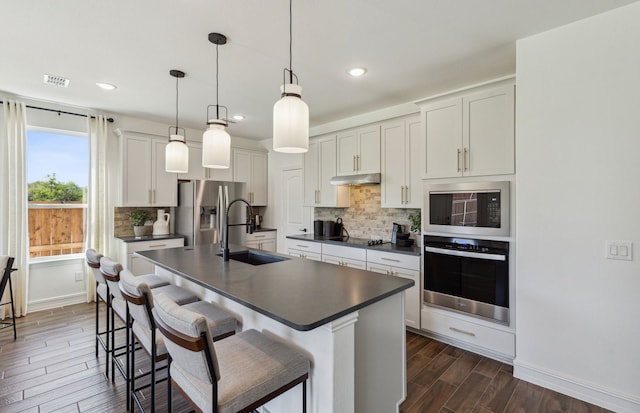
(578,127)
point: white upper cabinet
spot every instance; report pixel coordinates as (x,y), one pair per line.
(319,168)
(488,132)
(470,135)
(251,167)
(197,171)
(359,151)
(144,179)
(402,146)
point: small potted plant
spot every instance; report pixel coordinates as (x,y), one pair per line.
(416,226)
(138,218)
(416,222)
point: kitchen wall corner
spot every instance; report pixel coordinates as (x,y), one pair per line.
(365,218)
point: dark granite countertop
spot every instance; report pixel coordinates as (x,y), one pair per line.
(150,238)
(263,229)
(358,243)
(302,294)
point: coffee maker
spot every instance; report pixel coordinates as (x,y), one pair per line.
(397,228)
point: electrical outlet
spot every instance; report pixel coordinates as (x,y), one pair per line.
(79,276)
(619,250)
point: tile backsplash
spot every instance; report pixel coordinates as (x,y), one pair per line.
(365,218)
(122,225)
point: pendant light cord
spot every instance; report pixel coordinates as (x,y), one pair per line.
(177,104)
(217,72)
(290,41)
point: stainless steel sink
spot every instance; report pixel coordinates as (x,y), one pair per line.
(255,257)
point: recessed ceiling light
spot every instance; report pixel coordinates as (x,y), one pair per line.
(238,117)
(106,86)
(357,71)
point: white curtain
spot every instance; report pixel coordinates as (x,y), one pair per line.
(97,233)
(14,236)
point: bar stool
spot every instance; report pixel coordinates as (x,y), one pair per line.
(102,293)
(6,262)
(139,299)
(237,374)
(110,271)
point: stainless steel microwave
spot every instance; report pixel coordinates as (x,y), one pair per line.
(476,208)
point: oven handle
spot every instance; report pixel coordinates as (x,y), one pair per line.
(482,256)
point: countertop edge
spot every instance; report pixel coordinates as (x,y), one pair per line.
(391,248)
(150,238)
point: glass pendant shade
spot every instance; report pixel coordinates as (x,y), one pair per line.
(291,121)
(177,155)
(216,147)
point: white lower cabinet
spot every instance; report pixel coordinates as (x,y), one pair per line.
(139,266)
(344,256)
(304,249)
(495,342)
(264,241)
(404,266)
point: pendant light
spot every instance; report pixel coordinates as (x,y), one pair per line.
(216,142)
(290,113)
(176,151)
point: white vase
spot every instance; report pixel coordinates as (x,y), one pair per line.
(161,226)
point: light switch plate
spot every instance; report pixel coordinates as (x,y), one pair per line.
(619,250)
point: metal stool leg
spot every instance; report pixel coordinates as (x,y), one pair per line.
(13,310)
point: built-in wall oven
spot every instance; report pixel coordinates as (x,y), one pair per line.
(467,275)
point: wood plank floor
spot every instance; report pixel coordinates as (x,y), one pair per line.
(445,379)
(52,368)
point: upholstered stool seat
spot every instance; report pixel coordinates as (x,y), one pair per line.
(180,295)
(220,322)
(237,374)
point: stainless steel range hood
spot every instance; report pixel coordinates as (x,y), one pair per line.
(361,179)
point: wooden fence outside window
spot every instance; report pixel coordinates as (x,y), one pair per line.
(56,229)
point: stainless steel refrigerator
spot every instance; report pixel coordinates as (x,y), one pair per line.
(200,214)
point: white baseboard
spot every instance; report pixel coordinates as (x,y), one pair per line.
(572,387)
(57,302)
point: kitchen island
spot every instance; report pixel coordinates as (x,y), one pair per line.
(349,322)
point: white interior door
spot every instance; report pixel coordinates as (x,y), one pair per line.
(296,218)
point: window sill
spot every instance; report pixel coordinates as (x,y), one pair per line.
(55,258)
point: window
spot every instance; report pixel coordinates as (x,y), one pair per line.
(57,177)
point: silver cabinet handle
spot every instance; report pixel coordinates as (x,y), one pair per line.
(466,151)
(457,330)
(358,162)
(302,246)
(259,236)
(389,259)
(406,194)
(458,158)
(354,163)
(158,246)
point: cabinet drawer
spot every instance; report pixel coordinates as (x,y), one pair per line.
(411,262)
(154,245)
(359,254)
(261,236)
(314,256)
(498,341)
(306,246)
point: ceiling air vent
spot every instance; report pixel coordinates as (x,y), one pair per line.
(56,80)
